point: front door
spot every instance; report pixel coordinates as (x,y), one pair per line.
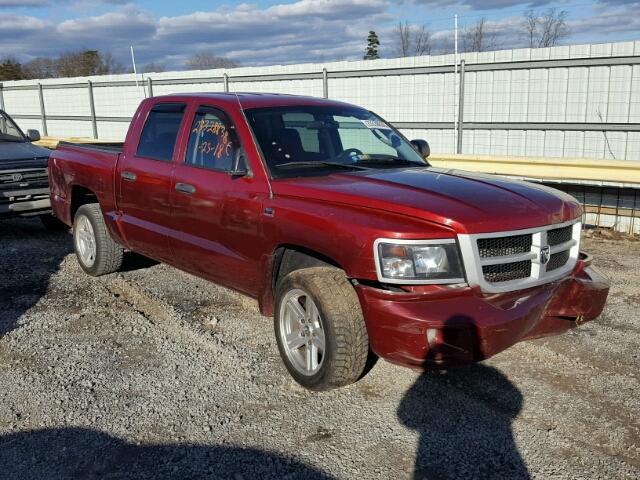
(217,215)
(144,178)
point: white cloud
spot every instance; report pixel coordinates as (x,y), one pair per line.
(482,4)
(23,3)
(303,31)
(122,22)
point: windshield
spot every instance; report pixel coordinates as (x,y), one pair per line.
(9,131)
(307,140)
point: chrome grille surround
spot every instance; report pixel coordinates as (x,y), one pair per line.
(515,267)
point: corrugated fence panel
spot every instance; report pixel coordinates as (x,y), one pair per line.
(58,128)
(115,101)
(22,101)
(112,130)
(567,101)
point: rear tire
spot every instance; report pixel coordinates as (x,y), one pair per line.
(52,223)
(97,253)
(318,314)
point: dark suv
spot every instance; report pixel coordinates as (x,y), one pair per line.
(24,185)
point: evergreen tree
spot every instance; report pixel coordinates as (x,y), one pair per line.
(372,46)
(10,69)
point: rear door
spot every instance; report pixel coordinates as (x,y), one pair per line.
(217,215)
(144,178)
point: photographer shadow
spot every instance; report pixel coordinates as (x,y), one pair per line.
(464,420)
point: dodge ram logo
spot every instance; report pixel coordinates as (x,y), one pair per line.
(16,177)
(545,253)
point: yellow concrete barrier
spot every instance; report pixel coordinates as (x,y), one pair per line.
(52,142)
(580,170)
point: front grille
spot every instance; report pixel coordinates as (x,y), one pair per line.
(32,177)
(503,272)
(500,262)
(559,235)
(558,260)
(501,246)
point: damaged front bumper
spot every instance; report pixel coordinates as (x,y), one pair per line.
(446,326)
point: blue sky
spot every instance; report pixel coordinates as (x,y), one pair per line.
(263,32)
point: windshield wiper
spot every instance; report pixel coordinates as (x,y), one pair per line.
(349,166)
(388,161)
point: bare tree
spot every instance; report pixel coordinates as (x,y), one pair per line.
(109,64)
(403,33)
(40,67)
(478,37)
(412,40)
(87,62)
(206,60)
(154,67)
(546,29)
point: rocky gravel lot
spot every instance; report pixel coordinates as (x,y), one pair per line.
(153,373)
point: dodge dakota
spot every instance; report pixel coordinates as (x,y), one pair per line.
(24,189)
(337,225)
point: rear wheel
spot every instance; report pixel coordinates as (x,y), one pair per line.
(97,253)
(320,329)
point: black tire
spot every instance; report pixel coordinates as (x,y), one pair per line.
(346,340)
(108,254)
(52,223)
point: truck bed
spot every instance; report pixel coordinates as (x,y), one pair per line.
(87,166)
(111,147)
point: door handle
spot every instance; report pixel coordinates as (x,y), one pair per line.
(130,176)
(185,188)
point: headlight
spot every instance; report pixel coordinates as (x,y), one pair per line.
(418,261)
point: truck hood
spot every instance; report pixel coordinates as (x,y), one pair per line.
(13,152)
(465,201)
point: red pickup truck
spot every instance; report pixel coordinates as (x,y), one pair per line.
(337,225)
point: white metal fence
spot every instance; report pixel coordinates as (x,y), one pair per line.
(570,101)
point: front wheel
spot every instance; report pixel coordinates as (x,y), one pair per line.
(320,330)
(97,253)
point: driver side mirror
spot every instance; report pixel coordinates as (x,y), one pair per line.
(422,146)
(33,135)
(239,167)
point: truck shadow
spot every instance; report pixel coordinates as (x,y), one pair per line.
(464,418)
(29,256)
(65,453)
(134,261)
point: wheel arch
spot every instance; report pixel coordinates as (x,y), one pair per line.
(285,259)
(80,195)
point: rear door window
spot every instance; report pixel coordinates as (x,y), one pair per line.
(158,138)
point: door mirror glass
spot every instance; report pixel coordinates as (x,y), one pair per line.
(33,135)
(239,166)
(422,147)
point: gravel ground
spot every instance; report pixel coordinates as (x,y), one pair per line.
(153,373)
